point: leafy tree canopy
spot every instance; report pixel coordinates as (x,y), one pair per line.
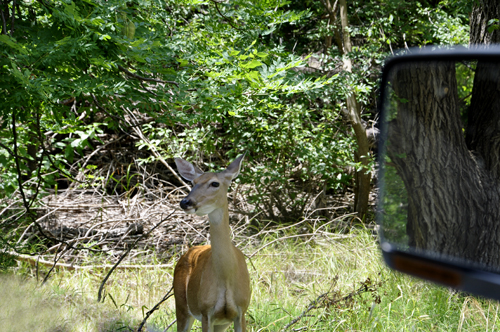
(200,79)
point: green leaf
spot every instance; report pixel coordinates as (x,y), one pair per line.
(68,153)
(251,64)
(493,25)
(12,43)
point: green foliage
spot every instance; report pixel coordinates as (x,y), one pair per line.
(394,202)
(415,23)
(201,70)
(214,78)
(465,81)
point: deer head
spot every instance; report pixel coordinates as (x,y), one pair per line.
(209,189)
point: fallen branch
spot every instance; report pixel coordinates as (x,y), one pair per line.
(34,260)
(166,297)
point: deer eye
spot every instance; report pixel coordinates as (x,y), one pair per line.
(215,184)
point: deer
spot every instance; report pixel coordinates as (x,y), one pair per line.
(211,282)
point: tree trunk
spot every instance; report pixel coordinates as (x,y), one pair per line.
(332,17)
(452,180)
(482,13)
(448,195)
(362,186)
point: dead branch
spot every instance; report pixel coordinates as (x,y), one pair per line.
(326,300)
(166,297)
(34,260)
(99,293)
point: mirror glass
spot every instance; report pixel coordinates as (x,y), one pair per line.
(440,160)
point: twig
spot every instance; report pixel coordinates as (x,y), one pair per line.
(13,17)
(126,71)
(8,207)
(99,293)
(312,235)
(311,306)
(39,167)
(18,167)
(56,260)
(102,109)
(147,90)
(225,17)
(166,297)
(98,149)
(4,25)
(83,206)
(170,325)
(47,154)
(12,152)
(276,240)
(324,299)
(194,229)
(139,133)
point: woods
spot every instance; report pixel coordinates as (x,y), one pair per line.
(98,97)
(203,81)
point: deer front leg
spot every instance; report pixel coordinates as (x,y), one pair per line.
(206,326)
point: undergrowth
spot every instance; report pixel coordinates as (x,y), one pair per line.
(327,282)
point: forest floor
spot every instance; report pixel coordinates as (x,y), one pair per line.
(322,282)
(319,274)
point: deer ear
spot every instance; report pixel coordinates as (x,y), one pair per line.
(233,170)
(187,170)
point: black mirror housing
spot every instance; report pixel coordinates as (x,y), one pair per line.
(439,166)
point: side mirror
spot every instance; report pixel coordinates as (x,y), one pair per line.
(439,167)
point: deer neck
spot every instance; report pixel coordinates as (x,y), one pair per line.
(223,255)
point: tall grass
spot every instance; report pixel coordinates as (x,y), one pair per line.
(341,279)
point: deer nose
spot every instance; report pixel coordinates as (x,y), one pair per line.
(185,204)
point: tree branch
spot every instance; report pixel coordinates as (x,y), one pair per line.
(225,17)
(39,167)
(33,260)
(13,17)
(18,166)
(12,152)
(102,109)
(332,16)
(166,297)
(129,73)
(139,133)
(99,293)
(47,154)
(4,23)
(362,192)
